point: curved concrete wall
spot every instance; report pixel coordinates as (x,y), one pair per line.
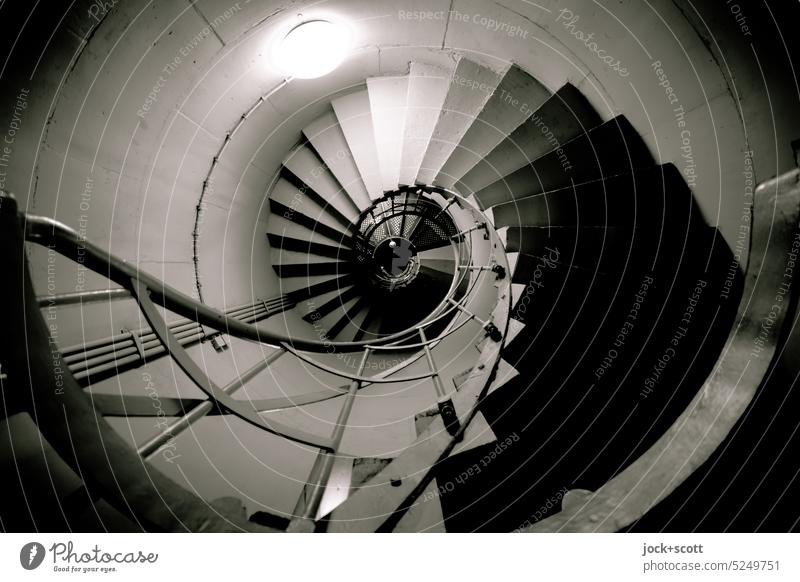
(130,102)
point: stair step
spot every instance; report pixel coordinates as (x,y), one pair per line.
(305,308)
(586,247)
(427,90)
(563,117)
(355,118)
(653,196)
(289,286)
(311,224)
(312,269)
(388,97)
(446,266)
(610,149)
(367,328)
(316,287)
(337,488)
(471,87)
(280,226)
(286,243)
(425,515)
(515,327)
(441,254)
(309,174)
(478,434)
(350,317)
(505,373)
(515,98)
(337,302)
(329,143)
(585,429)
(293,192)
(517,289)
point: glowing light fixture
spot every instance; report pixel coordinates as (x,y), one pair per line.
(312,49)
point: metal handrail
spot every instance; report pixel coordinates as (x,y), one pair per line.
(150,293)
(323,465)
(384,216)
(149,448)
(147,290)
(68,242)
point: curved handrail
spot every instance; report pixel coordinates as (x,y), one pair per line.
(149,291)
(64,413)
(374,379)
(69,243)
(403,480)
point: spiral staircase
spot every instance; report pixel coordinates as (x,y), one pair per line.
(538,299)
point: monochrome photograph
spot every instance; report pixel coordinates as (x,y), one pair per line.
(414,266)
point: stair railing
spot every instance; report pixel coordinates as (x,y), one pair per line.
(150,293)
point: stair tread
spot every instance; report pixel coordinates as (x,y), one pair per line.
(516,96)
(651,196)
(329,143)
(321,184)
(461,107)
(349,317)
(563,117)
(278,241)
(355,118)
(388,97)
(427,90)
(311,224)
(607,150)
(312,269)
(333,304)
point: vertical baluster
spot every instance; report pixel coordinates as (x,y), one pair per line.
(491,329)
(310,499)
(445,403)
(177,426)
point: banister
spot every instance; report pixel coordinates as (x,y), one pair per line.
(67,242)
(64,414)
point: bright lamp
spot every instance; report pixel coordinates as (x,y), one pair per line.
(312,49)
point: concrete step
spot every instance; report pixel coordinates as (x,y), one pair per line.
(563,117)
(330,144)
(287,243)
(471,87)
(284,227)
(349,322)
(354,115)
(388,97)
(517,96)
(427,90)
(654,196)
(612,148)
(321,184)
(311,225)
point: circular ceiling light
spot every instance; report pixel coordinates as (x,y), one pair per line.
(312,49)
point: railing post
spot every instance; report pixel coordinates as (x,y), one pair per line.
(310,499)
(443,401)
(445,207)
(490,328)
(149,448)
